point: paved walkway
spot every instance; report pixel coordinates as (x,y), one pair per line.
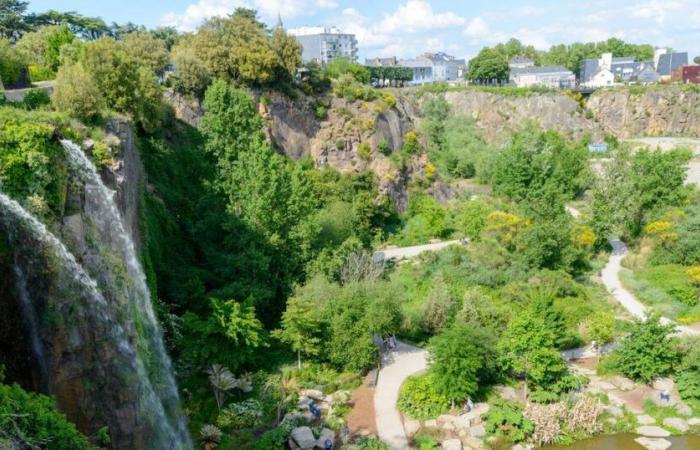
(398,365)
(611,279)
(411,252)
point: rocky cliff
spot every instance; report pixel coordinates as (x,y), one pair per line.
(652,111)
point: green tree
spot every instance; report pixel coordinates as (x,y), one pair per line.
(12,19)
(439,306)
(29,420)
(649,351)
(300,328)
(488,66)
(76,93)
(288,51)
(688,375)
(11,63)
(147,50)
(460,359)
(43,47)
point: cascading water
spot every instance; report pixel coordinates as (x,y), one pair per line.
(92,343)
(101,209)
(102,212)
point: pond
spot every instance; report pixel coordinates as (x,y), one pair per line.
(626,442)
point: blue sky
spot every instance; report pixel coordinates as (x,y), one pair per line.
(410,27)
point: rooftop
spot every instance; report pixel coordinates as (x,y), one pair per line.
(540,70)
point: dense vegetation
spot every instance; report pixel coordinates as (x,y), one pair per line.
(261,267)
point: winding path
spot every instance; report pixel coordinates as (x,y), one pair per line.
(611,279)
(413,251)
(397,366)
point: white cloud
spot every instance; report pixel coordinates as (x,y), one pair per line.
(327,4)
(418,15)
(477,28)
(271,9)
(195,13)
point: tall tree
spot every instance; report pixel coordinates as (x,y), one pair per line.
(300,328)
(488,66)
(12,20)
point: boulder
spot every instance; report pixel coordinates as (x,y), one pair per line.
(430,423)
(445,418)
(448,426)
(644,419)
(452,444)
(506,392)
(461,422)
(411,426)
(614,411)
(653,443)
(663,384)
(477,431)
(622,383)
(684,410)
(326,434)
(694,422)
(652,431)
(303,438)
(677,423)
(313,394)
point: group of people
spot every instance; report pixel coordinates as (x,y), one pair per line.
(390,342)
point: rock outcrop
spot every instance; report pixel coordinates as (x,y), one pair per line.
(654,111)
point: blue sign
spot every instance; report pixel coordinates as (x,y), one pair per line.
(598,148)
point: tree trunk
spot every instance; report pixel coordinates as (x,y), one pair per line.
(299,359)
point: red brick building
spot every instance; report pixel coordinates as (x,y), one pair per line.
(687,74)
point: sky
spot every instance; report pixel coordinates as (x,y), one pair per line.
(407,28)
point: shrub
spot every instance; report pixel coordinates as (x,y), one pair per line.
(410,143)
(76,93)
(505,419)
(41,73)
(389,99)
(364,151)
(383,147)
(371,443)
(320,111)
(419,400)
(32,419)
(11,63)
(688,377)
(649,351)
(245,414)
(35,98)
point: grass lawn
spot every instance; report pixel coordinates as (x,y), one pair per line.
(664,288)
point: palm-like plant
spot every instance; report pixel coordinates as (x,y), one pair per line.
(222,381)
(284,386)
(210,436)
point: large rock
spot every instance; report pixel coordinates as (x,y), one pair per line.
(694,422)
(411,426)
(326,434)
(452,444)
(622,383)
(303,438)
(506,392)
(684,410)
(663,384)
(313,394)
(653,443)
(477,431)
(677,424)
(652,431)
(614,411)
(644,419)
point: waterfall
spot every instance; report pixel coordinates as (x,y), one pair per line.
(108,350)
(103,213)
(32,324)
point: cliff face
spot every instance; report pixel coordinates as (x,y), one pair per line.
(656,111)
(499,116)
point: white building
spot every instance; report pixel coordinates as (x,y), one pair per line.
(554,77)
(325,44)
(434,67)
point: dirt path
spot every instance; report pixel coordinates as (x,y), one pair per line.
(361,420)
(411,252)
(398,366)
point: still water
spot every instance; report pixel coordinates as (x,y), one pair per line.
(626,442)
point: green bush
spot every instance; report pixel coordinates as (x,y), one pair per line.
(33,421)
(245,414)
(371,443)
(320,111)
(76,93)
(41,73)
(364,151)
(505,419)
(36,98)
(384,148)
(11,63)
(419,400)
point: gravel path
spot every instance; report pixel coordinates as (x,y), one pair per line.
(611,279)
(398,365)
